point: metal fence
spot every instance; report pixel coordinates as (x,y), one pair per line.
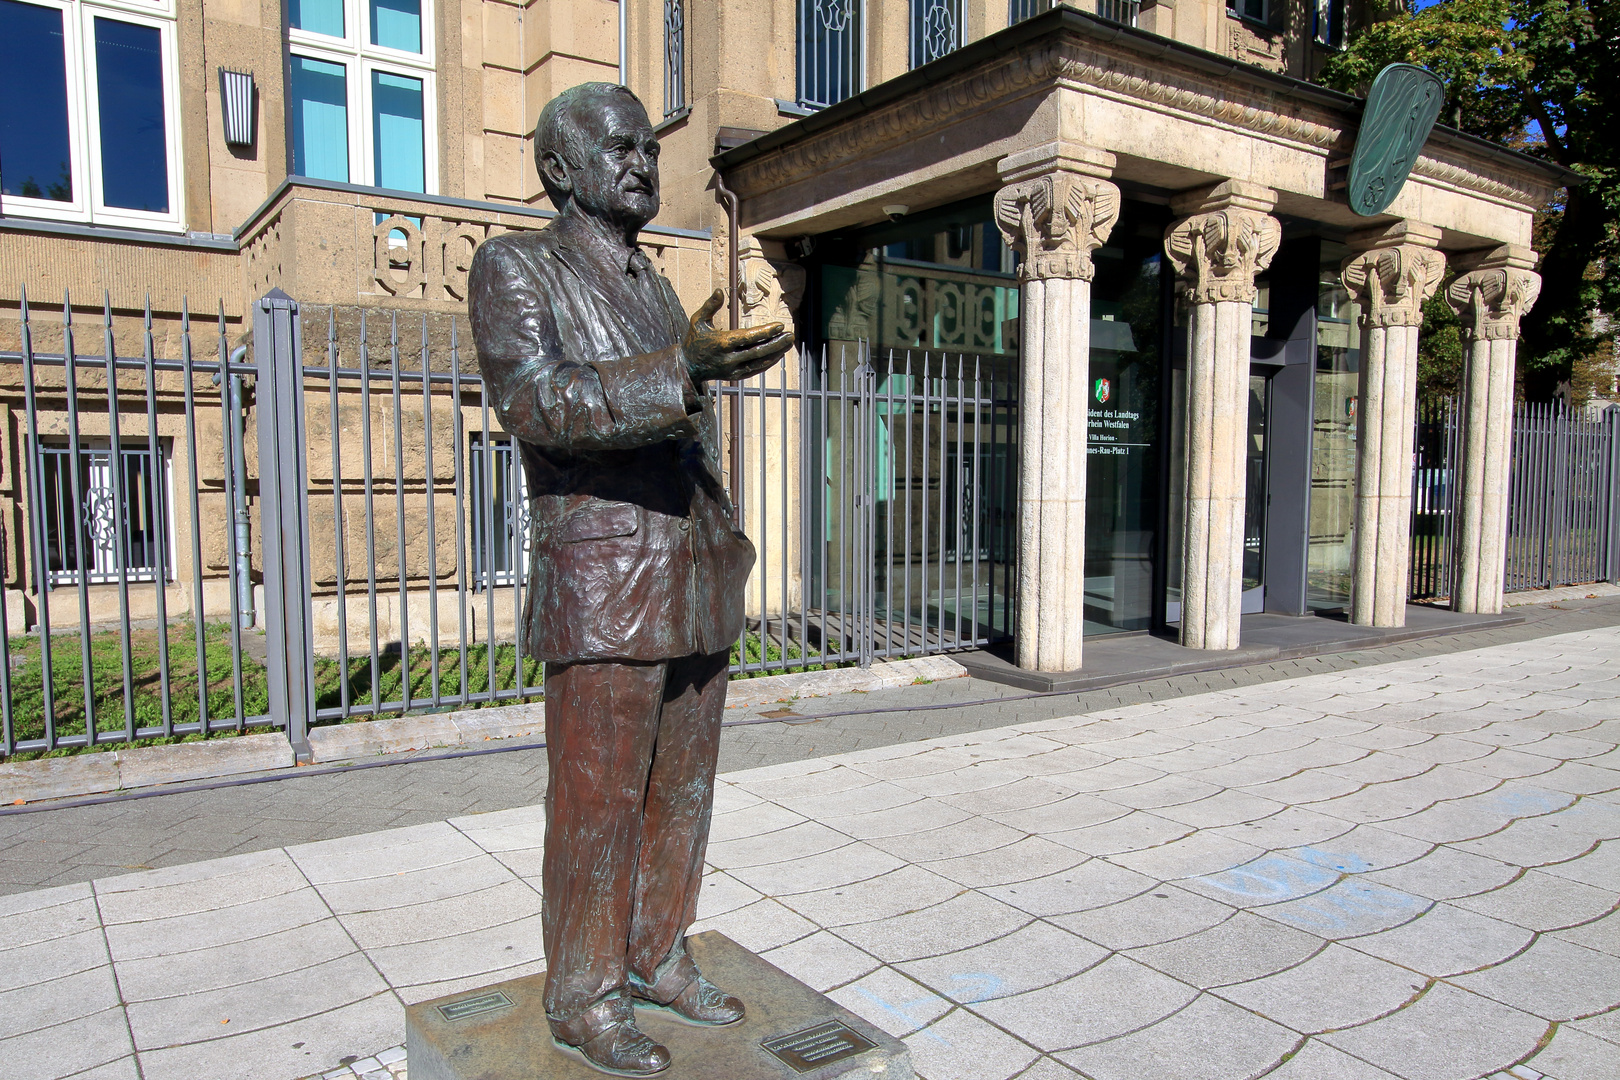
(1563,498)
(1564,502)
(385,523)
(1434,492)
(674,57)
(878,488)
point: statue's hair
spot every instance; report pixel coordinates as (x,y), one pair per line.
(558,132)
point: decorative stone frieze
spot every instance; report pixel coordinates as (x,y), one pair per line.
(1056,208)
(1392,270)
(1226,239)
(1217,254)
(1058,218)
(1491,295)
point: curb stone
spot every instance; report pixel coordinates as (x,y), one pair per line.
(146,766)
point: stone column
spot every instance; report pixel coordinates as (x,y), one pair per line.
(1216,252)
(1392,271)
(1495,290)
(1056,209)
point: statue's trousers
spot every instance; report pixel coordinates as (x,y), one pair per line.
(632,749)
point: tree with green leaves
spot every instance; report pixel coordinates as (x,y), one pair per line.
(1539,76)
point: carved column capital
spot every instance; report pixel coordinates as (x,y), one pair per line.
(1393,282)
(1491,299)
(1217,254)
(1056,209)
(769,289)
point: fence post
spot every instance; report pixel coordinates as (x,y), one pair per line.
(283,516)
(1611,501)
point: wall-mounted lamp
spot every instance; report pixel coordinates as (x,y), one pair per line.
(236,93)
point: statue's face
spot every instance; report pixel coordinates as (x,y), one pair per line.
(618,179)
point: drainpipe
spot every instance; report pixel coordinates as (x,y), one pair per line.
(624,43)
(242,572)
(734,413)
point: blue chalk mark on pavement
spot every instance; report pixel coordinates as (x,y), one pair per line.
(1268,880)
(981,986)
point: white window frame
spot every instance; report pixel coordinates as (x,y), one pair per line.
(84,118)
(360,59)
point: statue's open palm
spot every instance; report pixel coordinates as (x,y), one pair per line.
(731,354)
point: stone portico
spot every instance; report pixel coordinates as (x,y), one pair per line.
(1063,116)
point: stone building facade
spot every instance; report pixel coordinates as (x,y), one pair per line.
(1140,207)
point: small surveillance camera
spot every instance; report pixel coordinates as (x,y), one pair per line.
(896,211)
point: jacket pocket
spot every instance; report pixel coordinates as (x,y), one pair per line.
(599,522)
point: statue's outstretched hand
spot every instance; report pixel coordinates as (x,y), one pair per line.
(731,354)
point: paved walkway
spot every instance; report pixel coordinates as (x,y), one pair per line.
(1408,869)
(84,843)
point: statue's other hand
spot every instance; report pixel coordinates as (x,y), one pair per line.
(731,354)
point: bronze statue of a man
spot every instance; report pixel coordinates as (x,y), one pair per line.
(636,579)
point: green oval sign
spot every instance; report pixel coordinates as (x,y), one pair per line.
(1402,106)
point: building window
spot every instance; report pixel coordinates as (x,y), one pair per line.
(92,515)
(1120,11)
(1329,19)
(499,505)
(936,29)
(674,57)
(89,129)
(1254,10)
(360,86)
(829,51)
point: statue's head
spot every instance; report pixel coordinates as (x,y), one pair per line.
(596,150)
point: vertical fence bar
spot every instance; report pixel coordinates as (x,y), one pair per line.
(978,468)
(922,534)
(159,525)
(520,546)
(911,408)
(235,449)
(72,519)
(367,487)
(961,493)
(787,465)
(807,512)
(888,464)
(824,453)
(869,432)
(487,469)
(339,549)
(35,466)
(188,377)
(399,516)
(764,532)
(120,510)
(464,694)
(432,524)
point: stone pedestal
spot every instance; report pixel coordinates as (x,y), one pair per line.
(791,1032)
(1490,297)
(1056,209)
(1217,251)
(1393,270)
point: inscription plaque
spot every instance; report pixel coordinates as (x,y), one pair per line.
(474,1006)
(817,1046)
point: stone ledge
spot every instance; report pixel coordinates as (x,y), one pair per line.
(147,766)
(141,766)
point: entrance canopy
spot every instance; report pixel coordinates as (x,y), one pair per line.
(1173,116)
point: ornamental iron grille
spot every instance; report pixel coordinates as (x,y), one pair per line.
(936,29)
(674,57)
(830,56)
(1120,11)
(99,520)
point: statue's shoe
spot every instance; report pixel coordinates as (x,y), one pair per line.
(622,1050)
(701,1003)
(606,1038)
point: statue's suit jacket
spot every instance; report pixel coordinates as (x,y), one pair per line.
(633,554)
